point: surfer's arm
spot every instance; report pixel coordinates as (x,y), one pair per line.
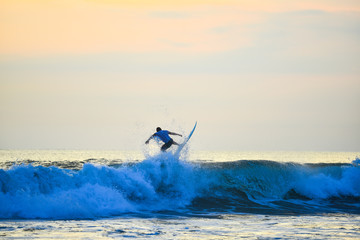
(151,137)
(172,133)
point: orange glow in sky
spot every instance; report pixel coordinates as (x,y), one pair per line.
(69,27)
(256,75)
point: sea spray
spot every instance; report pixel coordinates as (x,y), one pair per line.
(162,183)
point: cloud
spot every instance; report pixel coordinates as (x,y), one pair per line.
(38,28)
(170,14)
(274,68)
(254,5)
(50,29)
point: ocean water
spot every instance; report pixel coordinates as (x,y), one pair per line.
(212,195)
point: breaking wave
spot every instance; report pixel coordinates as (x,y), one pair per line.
(164,184)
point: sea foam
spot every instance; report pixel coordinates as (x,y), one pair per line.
(164,183)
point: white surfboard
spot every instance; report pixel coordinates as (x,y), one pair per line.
(181,146)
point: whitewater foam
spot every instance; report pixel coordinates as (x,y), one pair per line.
(164,183)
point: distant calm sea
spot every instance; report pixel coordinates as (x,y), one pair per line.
(213,195)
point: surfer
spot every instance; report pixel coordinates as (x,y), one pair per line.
(163,135)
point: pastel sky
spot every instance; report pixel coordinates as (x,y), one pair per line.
(256,75)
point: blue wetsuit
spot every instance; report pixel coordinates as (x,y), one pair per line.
(163,135)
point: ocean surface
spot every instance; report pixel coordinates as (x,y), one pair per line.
(213,195)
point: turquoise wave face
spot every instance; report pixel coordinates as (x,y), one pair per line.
(164,184)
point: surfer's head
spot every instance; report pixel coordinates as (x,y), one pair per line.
(158,129)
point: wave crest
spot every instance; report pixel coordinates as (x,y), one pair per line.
(163,183)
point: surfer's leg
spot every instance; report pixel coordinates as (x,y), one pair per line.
(167,145)
(163,148)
